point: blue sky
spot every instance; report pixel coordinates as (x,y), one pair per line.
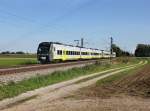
(26,23)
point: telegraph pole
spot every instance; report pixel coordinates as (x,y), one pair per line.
(111,45)
(82,42)
(78,42)
(102,54)
(111,48)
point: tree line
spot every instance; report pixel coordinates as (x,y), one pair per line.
(120,52)
(9,52)
(142,50)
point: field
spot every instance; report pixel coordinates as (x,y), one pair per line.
(125,91)
(122,85)
(16,60)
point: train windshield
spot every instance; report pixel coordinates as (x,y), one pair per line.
(43,48)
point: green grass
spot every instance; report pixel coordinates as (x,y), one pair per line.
(11,62)
(17,55)
(13,89)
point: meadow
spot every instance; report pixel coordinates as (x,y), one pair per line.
(17,60)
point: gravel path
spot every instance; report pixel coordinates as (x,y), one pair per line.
(41,99)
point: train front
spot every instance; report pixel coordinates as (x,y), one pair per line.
(43,52)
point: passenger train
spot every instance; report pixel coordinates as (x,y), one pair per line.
(54,51)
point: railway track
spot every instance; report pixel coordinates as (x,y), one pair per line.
(40,67)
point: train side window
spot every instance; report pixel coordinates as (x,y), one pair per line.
(70,52)
(64,52)
(59,52)
(67,52)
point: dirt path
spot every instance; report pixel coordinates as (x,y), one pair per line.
(41,99)
(97,104)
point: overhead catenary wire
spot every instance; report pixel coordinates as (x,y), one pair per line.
(42,26)
(18,16)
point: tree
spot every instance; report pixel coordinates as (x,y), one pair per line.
(6,52)
(142,50)
(20,52)
(119,51)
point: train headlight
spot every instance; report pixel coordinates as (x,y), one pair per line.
(43,58)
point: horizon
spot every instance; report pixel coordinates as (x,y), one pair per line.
(24,24)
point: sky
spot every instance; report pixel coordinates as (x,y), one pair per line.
(26,23)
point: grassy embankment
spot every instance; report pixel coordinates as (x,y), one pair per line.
(16,60)
(13,89)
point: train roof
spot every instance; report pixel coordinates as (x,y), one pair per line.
(73,46)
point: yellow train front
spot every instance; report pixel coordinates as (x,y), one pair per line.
(53,51)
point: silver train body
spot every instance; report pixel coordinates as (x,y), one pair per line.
(53,51)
